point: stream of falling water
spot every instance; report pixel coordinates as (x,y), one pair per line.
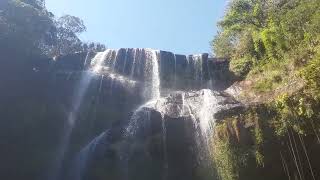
(152,94)
(81,89)
(154,57)
(201,112)
(152,91)
(155,75)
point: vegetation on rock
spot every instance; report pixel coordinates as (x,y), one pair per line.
(261,35)
(274,45)
(28,30)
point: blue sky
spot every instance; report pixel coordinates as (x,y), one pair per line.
(180,26)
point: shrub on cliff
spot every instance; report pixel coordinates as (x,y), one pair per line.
(269,31)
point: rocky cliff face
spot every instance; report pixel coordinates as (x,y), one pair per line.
(138,114)
(167,138)
(183,132)
(176,71)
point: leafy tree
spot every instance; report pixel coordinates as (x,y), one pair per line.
(23,28)
(66,39)
(39,4)
(267,31)
(27,29)
(94,47)
(222,45)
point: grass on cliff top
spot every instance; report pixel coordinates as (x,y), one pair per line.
(270,79)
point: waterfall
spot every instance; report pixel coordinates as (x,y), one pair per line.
(208,107)
(155,90)
(97,61)
(175,71)
(210,84)
(152,90)
(81,89)
(134,63)
(141,67)
(86,59)
(198,61)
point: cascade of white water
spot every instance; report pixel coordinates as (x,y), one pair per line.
(86,59)
(104,63)
(204,123)
(97,61)
(198,67)
(155,76)
(175,71)
(199,108)
(210,84)
(151,72)
(135,54)
(207,109)
(115,58)
(79,94)
(202,109)
(152,90)
(125,61)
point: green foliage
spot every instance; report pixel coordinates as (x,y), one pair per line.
(312,76)
(257,134)
(264,85)
(228,157)
(226,161)
(259,140)
(243,14)
(222,45)
(242,66)
(261,131)
(28,29)
(66,36)
(298,112)
(23,27)
(232,154)
(269,31)
(274,44)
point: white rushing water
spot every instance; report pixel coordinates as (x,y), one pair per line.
(81,89)
(155,85)
(152,90)
(199,106)
(105,63)
(144,60)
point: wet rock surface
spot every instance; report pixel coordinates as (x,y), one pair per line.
(166,138)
